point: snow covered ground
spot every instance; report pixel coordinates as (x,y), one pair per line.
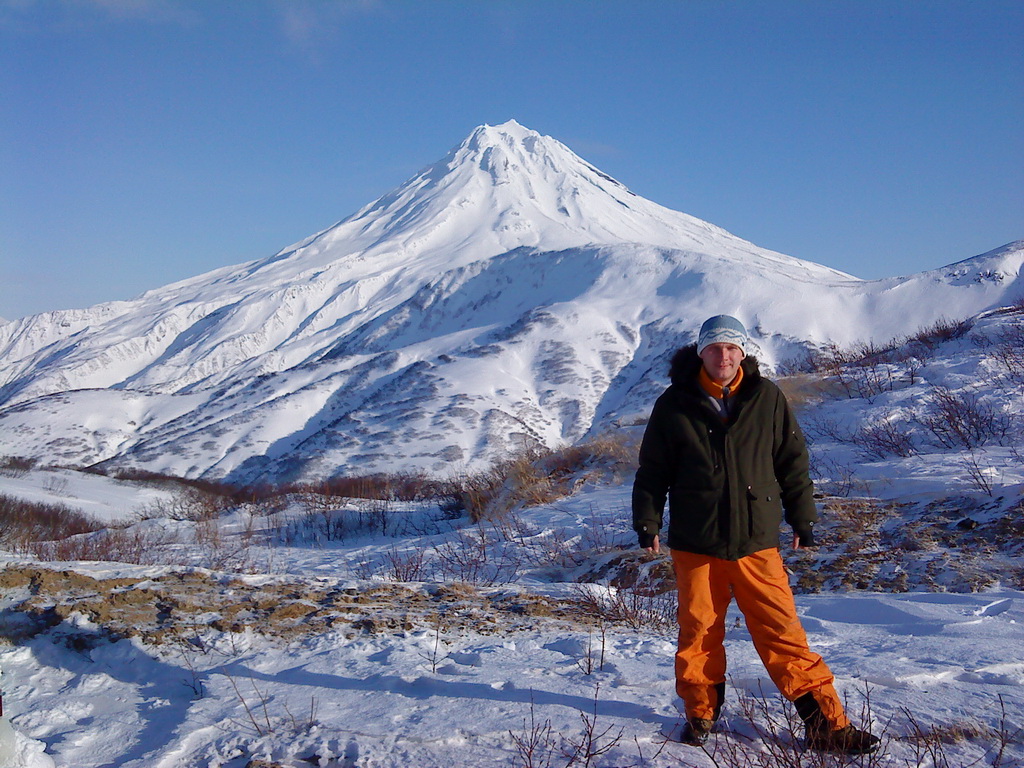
(369,672)
(273,635)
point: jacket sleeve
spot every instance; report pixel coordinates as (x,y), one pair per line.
(653,478)
(792,470)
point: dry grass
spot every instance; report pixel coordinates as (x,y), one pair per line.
(158,610)
(955,544)
(537,476)
(804,389)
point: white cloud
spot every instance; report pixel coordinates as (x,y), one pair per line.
(308,25)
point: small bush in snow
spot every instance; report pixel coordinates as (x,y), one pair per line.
(941,331)
(112,545)
(636,606)
(16,466)
(477,557)
(883,438)
(189,503)
(963,420)
(832,477)
(539,476)
(22,523)
(862,371)
(1009,351)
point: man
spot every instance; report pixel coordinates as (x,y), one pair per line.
(724,447)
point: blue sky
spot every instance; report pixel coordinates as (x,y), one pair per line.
(146,141)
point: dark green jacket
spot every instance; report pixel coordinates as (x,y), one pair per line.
(728,484)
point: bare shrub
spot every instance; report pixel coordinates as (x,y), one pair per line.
(593,660)
(600,534)
(407,566)
(958,420)
(606,454)
(912,365)
(16,466)
(862,371)
(379,515)
(535,745)
(109,545)
(1009,351)
(24,522)
(867,370)
(592,743)
(401,486)
(943,330)
(537,476)
(977,473)
(832,477)
(56,484)
(475,557)
(472,494)
(528,482)
(883,438)
(319,523)
(825,429)
(635,607)
(203,487)
(928,743)
(189,503)
(220,552)
(259,720)
(331,517)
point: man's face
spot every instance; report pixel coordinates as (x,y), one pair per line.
(721,361)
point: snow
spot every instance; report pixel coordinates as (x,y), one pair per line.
(442,675)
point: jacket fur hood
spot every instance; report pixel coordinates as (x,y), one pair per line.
(686,365)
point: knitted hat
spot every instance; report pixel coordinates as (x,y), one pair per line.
(722,329)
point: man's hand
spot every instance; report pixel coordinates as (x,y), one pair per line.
(804,539)
(655,545)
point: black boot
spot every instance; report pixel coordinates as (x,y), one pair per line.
(696,731)
(822,736)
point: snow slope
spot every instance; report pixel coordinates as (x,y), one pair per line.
(510,294)
(344,670)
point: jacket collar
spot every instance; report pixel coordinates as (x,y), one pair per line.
(716,390)
(686,365)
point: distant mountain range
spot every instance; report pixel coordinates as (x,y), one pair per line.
(509,295)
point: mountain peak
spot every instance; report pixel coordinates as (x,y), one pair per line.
(504,187)
(511,131)
(511,149)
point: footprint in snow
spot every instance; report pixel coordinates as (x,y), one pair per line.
(351,754)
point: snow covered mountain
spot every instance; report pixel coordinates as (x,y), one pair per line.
(509,295)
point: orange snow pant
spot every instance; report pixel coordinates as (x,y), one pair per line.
(759,583)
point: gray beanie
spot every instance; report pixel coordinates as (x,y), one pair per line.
(722,329)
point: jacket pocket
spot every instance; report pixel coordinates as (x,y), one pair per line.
(764,506)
